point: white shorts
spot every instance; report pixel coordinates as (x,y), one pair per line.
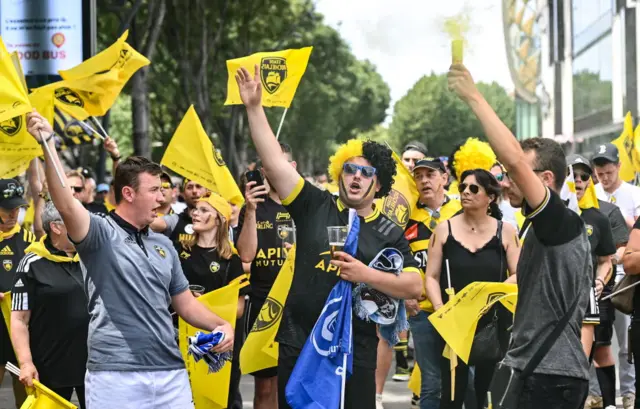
(138,390)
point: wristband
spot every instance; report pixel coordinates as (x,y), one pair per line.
(601,280)
(117,158)
(48,138)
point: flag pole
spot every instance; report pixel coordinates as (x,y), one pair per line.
(53,162)
(93,130)
(620,291)
(453,358)
(281,122)
(344,380)
(104,133)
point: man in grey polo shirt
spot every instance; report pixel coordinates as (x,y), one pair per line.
(131,276)
(555,267)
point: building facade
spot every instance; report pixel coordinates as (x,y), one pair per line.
(588,70)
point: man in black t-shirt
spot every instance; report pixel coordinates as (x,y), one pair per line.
(13,242)
(263,222)
(363,171)
(555,267)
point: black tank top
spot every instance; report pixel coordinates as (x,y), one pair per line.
(487,264)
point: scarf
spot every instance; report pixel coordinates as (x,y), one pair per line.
(200,347)
(39,248)
(7,234)
(372,305)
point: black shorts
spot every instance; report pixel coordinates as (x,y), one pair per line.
(360,388)
(254,305)
(604,333)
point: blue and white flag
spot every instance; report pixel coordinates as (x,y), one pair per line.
(326,361)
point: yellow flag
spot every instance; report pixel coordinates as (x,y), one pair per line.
(15,58)
(260,351)
(626,146)
(280,74)
(590,199)
(42,397)
(6,310)
(415,381)
(402,200)
(19,147)
(13,97)
(223,302)
(83,97)
(12,166)
(192,155)
(119,57)
(457,320)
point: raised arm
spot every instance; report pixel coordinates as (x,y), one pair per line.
(502,141)
(281,174)
(111,147)
(35,175)
(247,243)
(74,215)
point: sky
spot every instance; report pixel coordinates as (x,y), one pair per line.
(405,40)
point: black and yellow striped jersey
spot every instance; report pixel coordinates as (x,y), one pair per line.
(419,231)
(11,252)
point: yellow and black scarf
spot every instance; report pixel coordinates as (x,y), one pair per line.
(39,248)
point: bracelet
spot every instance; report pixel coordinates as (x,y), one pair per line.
(117,158)
(48,138)
(601,280)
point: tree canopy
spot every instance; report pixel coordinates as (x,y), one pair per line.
(435,116)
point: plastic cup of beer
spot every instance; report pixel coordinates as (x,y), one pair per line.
(337,238)
(196,289)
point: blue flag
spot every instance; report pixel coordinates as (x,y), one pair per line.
(326,361)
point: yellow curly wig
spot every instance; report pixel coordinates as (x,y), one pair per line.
(474,154)
(349,150)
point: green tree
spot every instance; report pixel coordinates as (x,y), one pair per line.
(432,114)
(590,93)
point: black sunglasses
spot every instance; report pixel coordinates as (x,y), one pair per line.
(77,189)
(582,176)
(433,222)
(352,169)
(474,189)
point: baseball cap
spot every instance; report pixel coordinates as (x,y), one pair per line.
(415,146)
(575,159)
(102,188)
(430,163)
(607,152)
(11,192)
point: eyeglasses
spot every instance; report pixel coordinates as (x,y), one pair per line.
(77,189)
(13,191)
(474,189)
(352,169)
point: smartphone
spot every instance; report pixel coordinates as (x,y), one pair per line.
(255,176)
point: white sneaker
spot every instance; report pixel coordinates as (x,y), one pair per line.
(379,401)
(629,401)
(593,402)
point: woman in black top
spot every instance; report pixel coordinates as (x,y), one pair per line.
(210,261)
(478,247)
(49,319)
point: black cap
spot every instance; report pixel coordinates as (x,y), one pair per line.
(11,192)
(607,152)
(430,163)
(575,159)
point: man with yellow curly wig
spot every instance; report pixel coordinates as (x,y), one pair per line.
(364,171)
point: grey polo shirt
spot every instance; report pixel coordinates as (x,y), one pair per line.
(130,277)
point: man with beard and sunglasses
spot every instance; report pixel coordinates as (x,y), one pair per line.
(364,171)
(555,267)
(434,206)
(261,222)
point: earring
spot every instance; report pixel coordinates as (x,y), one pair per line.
(489,210)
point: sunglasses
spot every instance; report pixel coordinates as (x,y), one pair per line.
(434,216)
(352,169)
(77,189)
(474,189)
(580,175)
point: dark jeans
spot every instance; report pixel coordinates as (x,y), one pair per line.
(482,378)
(360,390)
(67,392)
(553,392)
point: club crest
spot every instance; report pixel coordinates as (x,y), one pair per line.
(217,155)
(160,251)
(11,126)
(7,264)
(214,267)
(273,71)
(69,97)
(270,313)
(396,207)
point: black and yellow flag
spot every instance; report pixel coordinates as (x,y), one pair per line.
(72,131)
